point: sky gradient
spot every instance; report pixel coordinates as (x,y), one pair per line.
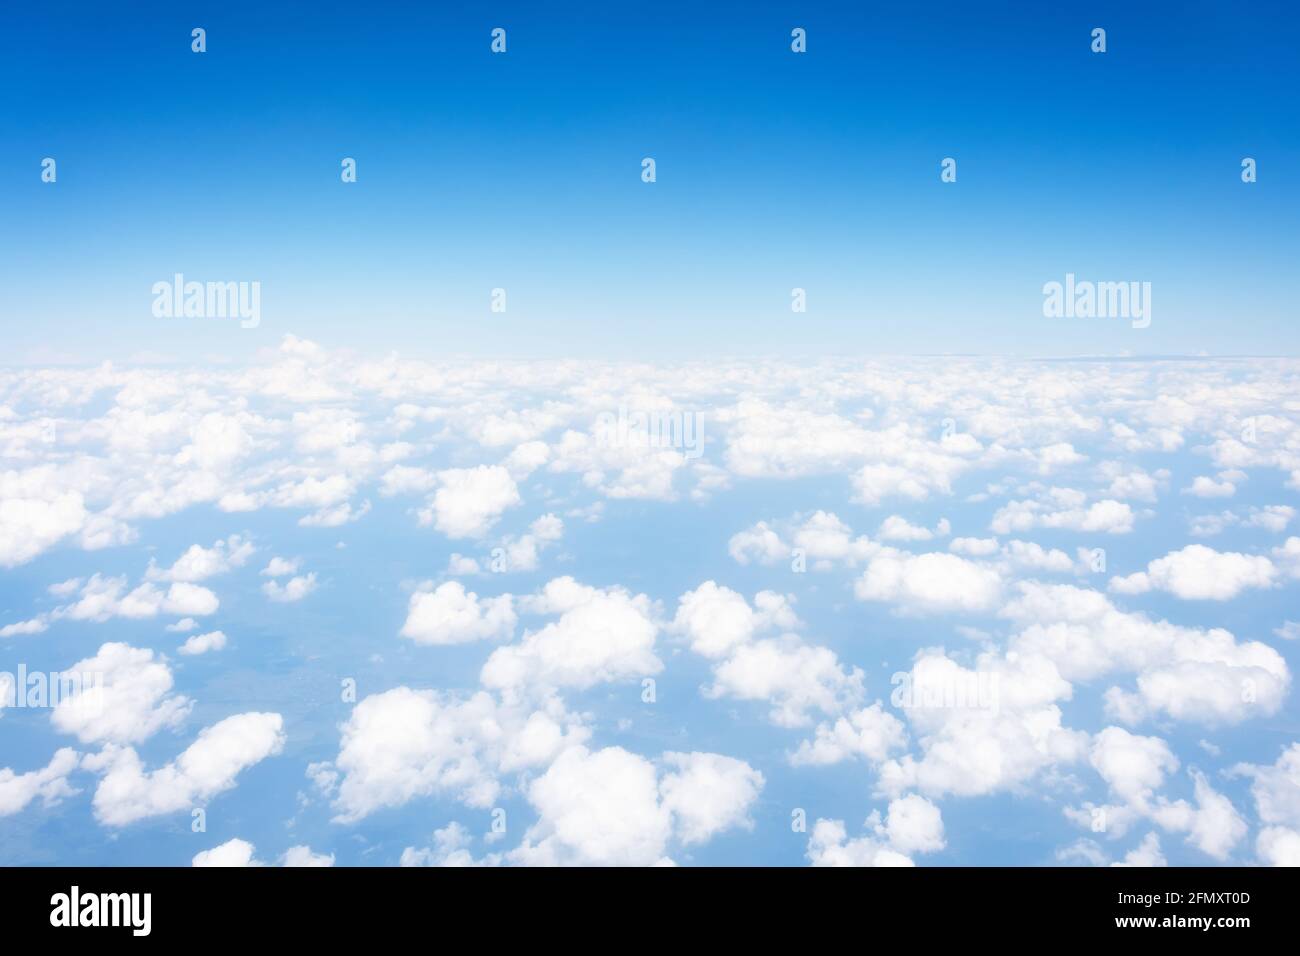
(775,170)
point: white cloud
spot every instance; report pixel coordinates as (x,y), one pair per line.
(1198,573)
(451,615)
(759,544)
(1276,787)
(209,766)
(203,643)
(611,808)
(279,567)
(898,528)
(295,589)
(1204,487)
(405,743)
(913,825)
(134,702)
(1145,854)
(49,783)
(708,793)
(600,636)
(1205,676)
(30,525)
(241,853)
(470,500)
(984,729)
(232,853)
(1064,509)
(716,619)
(935,582)
(199,563)
(1278,846)
(869,732)
(450,848)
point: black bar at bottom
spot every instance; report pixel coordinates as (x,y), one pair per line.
(1223,906)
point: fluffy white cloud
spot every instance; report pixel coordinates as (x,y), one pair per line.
(233,853)
(984,729)
(1065,509)
(935,582)
(913,825)
(406,743)
(1278,846)
(241,853)
(1276,787)
(101,599)
(199,563)
(1205,487)
(203,643)
(470,500)
(708,793)
(126,697)
(1133,767)
(522,552)
(295,589)
(898,528)
(759,544)
(209,766)
(279,567)
(611,807)
(451,615)
(600,636)
(1198,573)
(1145,854)
(30,525)
(794,677)
(869,732)
(716,619)
(49,783)
(1185,673)
(450,848)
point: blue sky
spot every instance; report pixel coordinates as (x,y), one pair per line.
(775,171)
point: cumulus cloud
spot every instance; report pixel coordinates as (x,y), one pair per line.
(404,743)
(199,563)
(1198,573)
(913,825)
(935,582)
(101,599)
(470,500)
(450,848)
(1066,509)
(295,589)
(126,697)
(203,643)
(601,635)
(241,853)
(451,615)
(127,792)
(615,808)
(49,784)
(1203,676)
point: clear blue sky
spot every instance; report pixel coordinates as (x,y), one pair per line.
(775,170)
